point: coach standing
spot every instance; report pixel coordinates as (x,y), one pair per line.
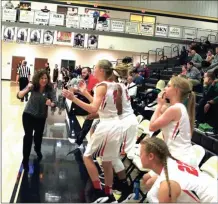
(23,76)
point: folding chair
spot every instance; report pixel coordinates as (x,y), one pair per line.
(199,152)
(211,167)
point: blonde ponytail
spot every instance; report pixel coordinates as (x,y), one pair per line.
(191,109)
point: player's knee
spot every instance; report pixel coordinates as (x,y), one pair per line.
(118,165)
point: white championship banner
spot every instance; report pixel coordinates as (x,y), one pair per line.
(86,22)
(9,34)
(117,26)
(189,33)
(174,32)
(35,36)
(147,29)
(132,27)
(103,25)
(72,21)
(26,16)
(161,30)
(56,19)
(22,35)
(9,15)
(48,37)
(41,18)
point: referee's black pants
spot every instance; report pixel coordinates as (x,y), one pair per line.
(31,123)
(23,82)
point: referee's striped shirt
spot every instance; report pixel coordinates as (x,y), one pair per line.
(23,71)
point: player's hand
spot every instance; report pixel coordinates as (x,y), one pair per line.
(73,90)
(92,116)
(161,99)
(68,94)
(82,86)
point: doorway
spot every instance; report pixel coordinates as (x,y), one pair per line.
(69,64)
(39,63)
(15,61)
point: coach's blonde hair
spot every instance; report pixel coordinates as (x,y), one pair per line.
(159,148)
(187,96)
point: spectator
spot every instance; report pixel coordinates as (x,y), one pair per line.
(55,74)
(183,56)
(45,9)
(137,66)
(95,16)
(215,59)
(132,88)
(47,68)
(137,79)
(208,106)
(9,5)
(105,15)
(184,70)
(196,58)
(193,74)
(209,59)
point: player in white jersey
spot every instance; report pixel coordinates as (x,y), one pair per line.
(105,141)
(177,181)
(176,122)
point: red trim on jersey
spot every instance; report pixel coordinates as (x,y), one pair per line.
(175,130)
(103,103)
(191,195)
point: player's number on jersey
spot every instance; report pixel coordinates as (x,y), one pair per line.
(187,168)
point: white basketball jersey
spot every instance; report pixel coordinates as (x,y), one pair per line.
(177,135)
(126,103)
(108,106)
(194,188)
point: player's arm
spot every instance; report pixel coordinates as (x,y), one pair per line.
(23,92)
(119,105)
(166,196)
(159,120)
(97,100)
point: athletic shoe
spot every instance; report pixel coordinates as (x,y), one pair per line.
(129,199)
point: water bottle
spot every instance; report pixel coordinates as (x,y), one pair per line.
(136,190)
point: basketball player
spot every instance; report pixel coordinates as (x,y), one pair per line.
(106,140)
(177,181)
(176,122)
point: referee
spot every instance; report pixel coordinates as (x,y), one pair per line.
(23,76)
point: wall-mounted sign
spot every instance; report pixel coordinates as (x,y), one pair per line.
(79,39)
(56,19)
(174,32)
(22,35)
(117,26)
(9,15)
(48,37)
(147,29)
(72,21)
(9,34)
(26,16)
(92,42)
(41,18)
(86,22)
(132,27)
(35,36)
(161,30)
(64,38)
(189,33)
(103,25)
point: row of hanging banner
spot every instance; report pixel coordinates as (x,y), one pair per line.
(102,24)
(49,37)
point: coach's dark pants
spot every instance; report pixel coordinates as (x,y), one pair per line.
(31,123)
(85,129)
(23,82)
